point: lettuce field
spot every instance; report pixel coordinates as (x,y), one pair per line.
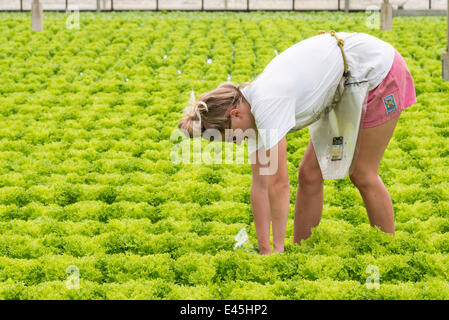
(92,207)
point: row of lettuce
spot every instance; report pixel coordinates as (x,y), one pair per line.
(87,181)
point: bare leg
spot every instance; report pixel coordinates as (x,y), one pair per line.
(365,174)
(309,196)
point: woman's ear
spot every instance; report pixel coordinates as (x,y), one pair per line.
(234,113)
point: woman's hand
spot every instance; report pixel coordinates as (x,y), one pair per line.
(270,196)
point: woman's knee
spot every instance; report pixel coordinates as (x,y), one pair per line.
(363,179)
(309,175)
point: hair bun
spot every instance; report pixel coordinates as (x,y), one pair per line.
(186,124)
(193,113)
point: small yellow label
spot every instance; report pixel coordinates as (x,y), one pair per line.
(336,152)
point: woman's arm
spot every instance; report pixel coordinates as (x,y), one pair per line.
(261,207)
(270,197)
(279,195)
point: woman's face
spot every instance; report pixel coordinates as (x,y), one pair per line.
(243,119)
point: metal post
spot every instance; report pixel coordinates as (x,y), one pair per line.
(339,7)
(346,6)
(98,5)
(293,5)
(386,19)
(202,5)
(21,5)
(247,5)
(157,5)
(66,5)
(112,5)
(37,16)
(445,60)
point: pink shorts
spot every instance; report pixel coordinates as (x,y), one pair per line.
(395,93)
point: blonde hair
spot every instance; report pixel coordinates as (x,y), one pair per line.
(212,109)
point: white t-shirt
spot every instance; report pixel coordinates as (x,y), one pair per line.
(295,85)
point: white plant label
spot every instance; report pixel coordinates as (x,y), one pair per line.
(241,238)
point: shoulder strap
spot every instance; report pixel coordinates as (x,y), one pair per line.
(340,43)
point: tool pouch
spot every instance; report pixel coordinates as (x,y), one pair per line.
(335,135)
